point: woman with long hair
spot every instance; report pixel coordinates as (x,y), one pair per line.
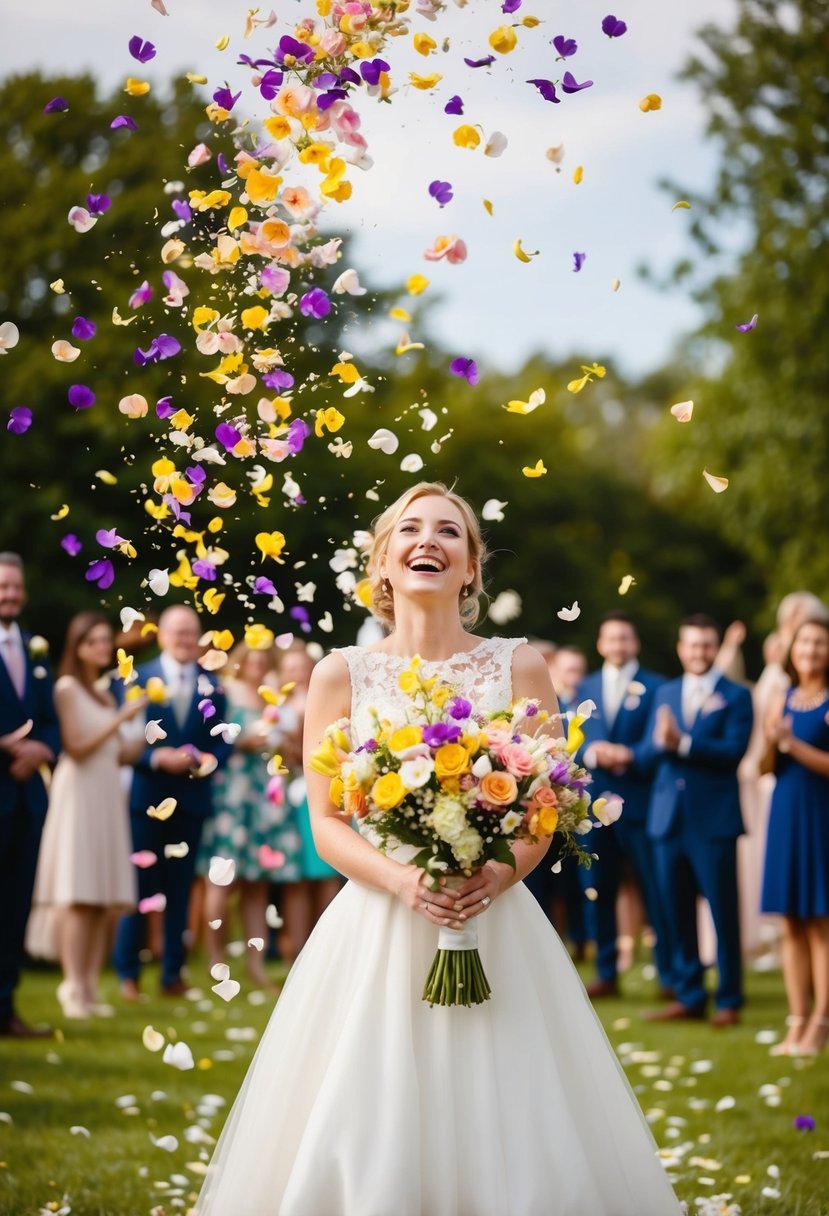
(364,1099)
(84,874)
(796,874)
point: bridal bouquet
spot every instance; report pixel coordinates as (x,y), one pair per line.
(461,787)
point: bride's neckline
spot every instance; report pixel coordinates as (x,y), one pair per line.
(400,658)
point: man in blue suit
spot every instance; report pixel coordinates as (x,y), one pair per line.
(623,693)
(29,742)
(699,730)
(178,767)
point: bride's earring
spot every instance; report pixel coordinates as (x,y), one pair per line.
(465,591)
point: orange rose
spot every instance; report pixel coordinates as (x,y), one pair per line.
(498,788)
(544,796)
(354,800)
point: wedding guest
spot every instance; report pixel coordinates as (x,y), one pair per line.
(247,825)
(29,742)
(567,668)
(698,732)
(796,874)
(84,873)
(177,766)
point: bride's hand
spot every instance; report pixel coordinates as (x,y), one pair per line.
(479,891)
(435,906)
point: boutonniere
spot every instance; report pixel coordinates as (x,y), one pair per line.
(633,694)
(37,647)
(39,673)
(714,703)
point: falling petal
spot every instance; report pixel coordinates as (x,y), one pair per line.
(411,463)
(493,510)
(569,614)
(384,440)
(222,871)
(717,484)
(748,325)
(164,809)
(521,254)
(650,102)
(683,411)
(627,582)
(537,470)
(682,205)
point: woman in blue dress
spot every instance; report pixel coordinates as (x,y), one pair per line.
(796,875)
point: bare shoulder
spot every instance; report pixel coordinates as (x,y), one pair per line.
(330,682)
(529,663)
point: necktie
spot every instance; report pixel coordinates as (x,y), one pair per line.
(182,695)
(615,695)
(15,664)
(696,699)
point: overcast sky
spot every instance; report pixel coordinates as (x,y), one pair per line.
(494,307)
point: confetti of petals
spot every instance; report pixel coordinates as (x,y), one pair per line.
(154,731)
(537,398)
(315,303)
(136,88)
(152,1039)
(717,484)
(627,582)
(804,1123)
(484,62)
(81,220)
(10,336)
(503,40)
(385,441)
(493,510)
(441,192)
(222,871)
(181,1057)
(569,614)
(101,572)
(58,105)
(682,205)
(466,368)
(153,903)
(683,411)
(651,101)
(80,396)
(613,26)
(578,261)
(141,50)
(270,859)
(570,85)
(521,253)
(565,47)
(411,463)
(71,544)
(164,810)
(546,88)
(123,121)
(748,325)
(159,582)
(144,858)
(227,989)
(20,419)
(537,470)
(454,105)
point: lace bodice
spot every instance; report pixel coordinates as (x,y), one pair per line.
(482,675)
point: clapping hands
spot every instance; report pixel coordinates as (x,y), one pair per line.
(614,757)
(666,734)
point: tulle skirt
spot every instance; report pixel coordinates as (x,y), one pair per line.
(362,1100)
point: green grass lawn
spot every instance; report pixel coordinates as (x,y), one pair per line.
(80,1115)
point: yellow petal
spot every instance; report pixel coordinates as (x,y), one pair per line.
(405,345)
(682,205)
(487,206)
(538,397)
(466,136)
(223,43)
(400,314)
(255,318)
(117,319)
(57,287)
(164,809)
(650,102)
(578,174)
(503,40)
(424,82)
(538,469)
(136,88)
(530,22)
(521,253)
(423,44)
(237,217)
(717,484)
(61,513)
(213,600)
(627,582)
(615,284)
(109,479)
(416,284)
(195,78)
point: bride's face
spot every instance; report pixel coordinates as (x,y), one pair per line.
(428,550)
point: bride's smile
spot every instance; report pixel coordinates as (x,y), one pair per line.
(429,547)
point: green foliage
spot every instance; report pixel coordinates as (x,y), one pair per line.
(761,397)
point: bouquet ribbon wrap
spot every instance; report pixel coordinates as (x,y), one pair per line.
(457,976)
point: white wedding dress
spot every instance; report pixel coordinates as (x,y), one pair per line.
(362,1100)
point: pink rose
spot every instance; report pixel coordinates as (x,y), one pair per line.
(333,42)
(517,760)
(495,739)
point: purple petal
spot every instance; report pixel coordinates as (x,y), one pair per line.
(83,329)
(467,368)
(748,325)
(58,105)
(264,586)
(181,208)
(326,100)
(123,120)
(71,544)
(571,85)
(167,346)
(371,69)
(565,46)
(301,614)
(578,261)
(224,98)
(141,295)
(547,90)
(274,279)
(164,407)
(441,192)
(804,1123)
(480,63)
(349,76)
(108,538)
(613,27)
(204,569)
(298,431)
(227,435)
(270,83)
(278,378)
(301,51)
(221,164)
(141,50)
(101,572)
(20,419)
(81,396)
(454,105)
(315,303)
(196,474)
(206,708)
(98,203)
(510,6)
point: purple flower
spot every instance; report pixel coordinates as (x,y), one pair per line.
(300,51)
(480,63)
(315,303)
(531,710)
(441,192)
(224,98)
(81,396)
(227,435)
(274,279)
(349,76)
(460,709)
(123,120)
(571,85)
(101,572)
(371,69)
(204,569)
(71,544)
(296,434)
(98,203)
(300,614)
(270,83)
(206,708)
(163,347)
(278,378)
(439,733)
(141,295)
(578,261)
(108,538)
(510,6)
(558,772)
(547,89)
(467,368)
(748,325)
(20,419)
(454,105)
(141,50)
(182,209)
(370,745)
(83,329)
(164,407)
(326,100)
(58,105)
(565,46)
(613,26)
(264,586)
(804,1123)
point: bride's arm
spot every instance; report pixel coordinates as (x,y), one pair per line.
(329,698)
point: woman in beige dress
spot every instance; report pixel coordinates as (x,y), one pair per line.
(84,872)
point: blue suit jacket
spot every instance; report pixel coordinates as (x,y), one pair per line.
(36,703)
(700,788)
(192,794)
(629,727)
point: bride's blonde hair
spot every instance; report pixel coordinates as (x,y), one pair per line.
(382,602)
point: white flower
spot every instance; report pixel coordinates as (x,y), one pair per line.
(510,822)
(416,772)
(38,646)
(467,846)
(448,817)
(505,607)
(482,766)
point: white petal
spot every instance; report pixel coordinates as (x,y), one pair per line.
(496,144)
(159,581)
(220,971)
(717,484)
(180,1056)
(569,614)
(384,440)
(429,418)
(227,989)
(9,336)
(222,871)
(348,284)
(683,411)
(411,463)
(154,731)
(128,618)
(587,708)
(493,510)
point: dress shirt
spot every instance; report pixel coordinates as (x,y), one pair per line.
(615,683)
(180,682)
(695,692)
(13,654)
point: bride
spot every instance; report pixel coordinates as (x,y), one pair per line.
(362,1100)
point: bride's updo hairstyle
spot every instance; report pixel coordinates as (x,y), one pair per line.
(382,601)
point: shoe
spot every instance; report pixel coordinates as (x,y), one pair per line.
(72,1006)
(15,1028)
(176,988)
(814,1039)
(726,1017)
(786,1047)
(129,990)
(675,1012)
(600,988)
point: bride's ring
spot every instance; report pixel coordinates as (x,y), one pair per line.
(486,901)
(425,903)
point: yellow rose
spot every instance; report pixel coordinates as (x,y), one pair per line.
(388,791)
(471,742)
(408,683)
(406,737)
(546,821)
(335,791)
(451,760)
